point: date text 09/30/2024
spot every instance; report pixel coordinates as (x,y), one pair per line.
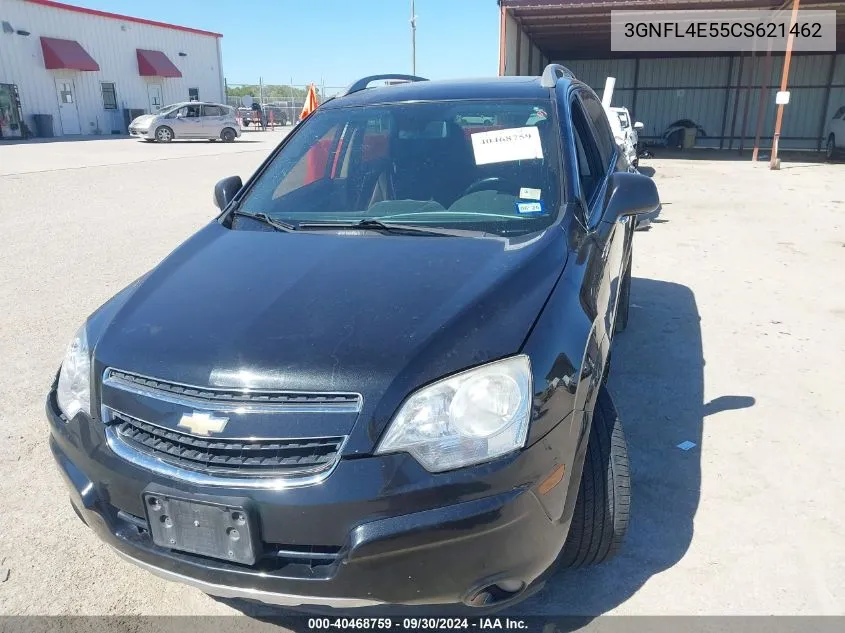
(417,623)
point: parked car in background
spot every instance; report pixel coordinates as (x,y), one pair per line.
(835,134)
(625,134)
(188,120)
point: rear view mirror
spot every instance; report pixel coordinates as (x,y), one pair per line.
(639,126)
(629,194)
(225,190)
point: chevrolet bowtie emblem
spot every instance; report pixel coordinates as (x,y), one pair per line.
(202,423)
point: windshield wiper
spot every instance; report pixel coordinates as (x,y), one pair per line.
(371,224)
(279,225)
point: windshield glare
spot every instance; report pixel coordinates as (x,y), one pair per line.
(491,167)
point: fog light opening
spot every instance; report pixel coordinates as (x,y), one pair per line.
(500,591)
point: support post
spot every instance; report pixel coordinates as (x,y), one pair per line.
(774,163)
(502,33)
(727,100)
(826,99)
(636,85)
(413,40)
(761,102)
(739,75)
(747,94)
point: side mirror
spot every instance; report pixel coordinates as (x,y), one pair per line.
(629,194)
(639,126)
(225,190)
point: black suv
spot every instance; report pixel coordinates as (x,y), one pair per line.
(378,375)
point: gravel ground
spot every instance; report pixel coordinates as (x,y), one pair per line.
(735,341)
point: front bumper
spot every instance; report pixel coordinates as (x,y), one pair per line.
(388,531)
(141,133)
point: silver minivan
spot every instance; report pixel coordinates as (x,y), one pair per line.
(191,119)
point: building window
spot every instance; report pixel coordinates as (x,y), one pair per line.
(109,96)
(66,92)
(193,94)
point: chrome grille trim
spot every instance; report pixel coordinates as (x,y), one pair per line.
(241,401)
(160,467)
(233,400)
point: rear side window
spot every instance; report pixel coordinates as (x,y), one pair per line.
(604,135)
(213,110)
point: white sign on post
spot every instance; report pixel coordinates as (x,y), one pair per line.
(782,97)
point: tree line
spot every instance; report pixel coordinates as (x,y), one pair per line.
(271,92)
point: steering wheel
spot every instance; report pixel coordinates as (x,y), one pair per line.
(493,182)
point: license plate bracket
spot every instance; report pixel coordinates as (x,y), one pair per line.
(217,530)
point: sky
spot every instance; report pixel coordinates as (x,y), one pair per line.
(334,42)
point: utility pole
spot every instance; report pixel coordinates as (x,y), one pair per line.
(784,81)
(413,40)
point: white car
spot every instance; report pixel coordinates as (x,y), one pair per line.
(836,134)
(191,119)
(626,135)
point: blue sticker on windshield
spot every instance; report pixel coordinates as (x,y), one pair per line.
(530,208)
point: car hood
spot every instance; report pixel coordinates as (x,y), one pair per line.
(143,120)
(373,314)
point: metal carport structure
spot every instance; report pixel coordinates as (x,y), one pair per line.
(720,92)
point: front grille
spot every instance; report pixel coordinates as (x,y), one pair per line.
(213,396)
(280,457)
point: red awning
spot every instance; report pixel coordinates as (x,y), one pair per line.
(155,64)
(67,54)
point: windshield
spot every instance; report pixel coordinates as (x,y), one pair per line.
(169,108)
(485,166)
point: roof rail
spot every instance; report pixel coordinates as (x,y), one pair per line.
(363,84)
(552,73)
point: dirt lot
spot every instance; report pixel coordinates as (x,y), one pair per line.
(735,344)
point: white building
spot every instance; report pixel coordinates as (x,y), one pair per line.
(87,69)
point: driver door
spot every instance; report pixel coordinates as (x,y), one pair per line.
(188,122)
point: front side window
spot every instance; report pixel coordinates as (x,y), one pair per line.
(590,168)
(485,166)
(604,134)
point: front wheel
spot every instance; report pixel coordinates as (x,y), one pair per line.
(228,135)
(164,134)
(602,509)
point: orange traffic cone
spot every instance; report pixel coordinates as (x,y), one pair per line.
(310,103)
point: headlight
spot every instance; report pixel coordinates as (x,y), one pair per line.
(74,390)
(465,419)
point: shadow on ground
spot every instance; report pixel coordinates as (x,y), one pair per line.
(657,385)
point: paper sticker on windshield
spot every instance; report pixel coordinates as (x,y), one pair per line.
(501,146)
(527,193)
(529,208)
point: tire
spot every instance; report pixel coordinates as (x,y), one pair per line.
(164,134)
(621,322)
(830,148)
(602,510)
(149,140)
(228,135)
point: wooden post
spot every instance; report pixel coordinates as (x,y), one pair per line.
(774,163)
